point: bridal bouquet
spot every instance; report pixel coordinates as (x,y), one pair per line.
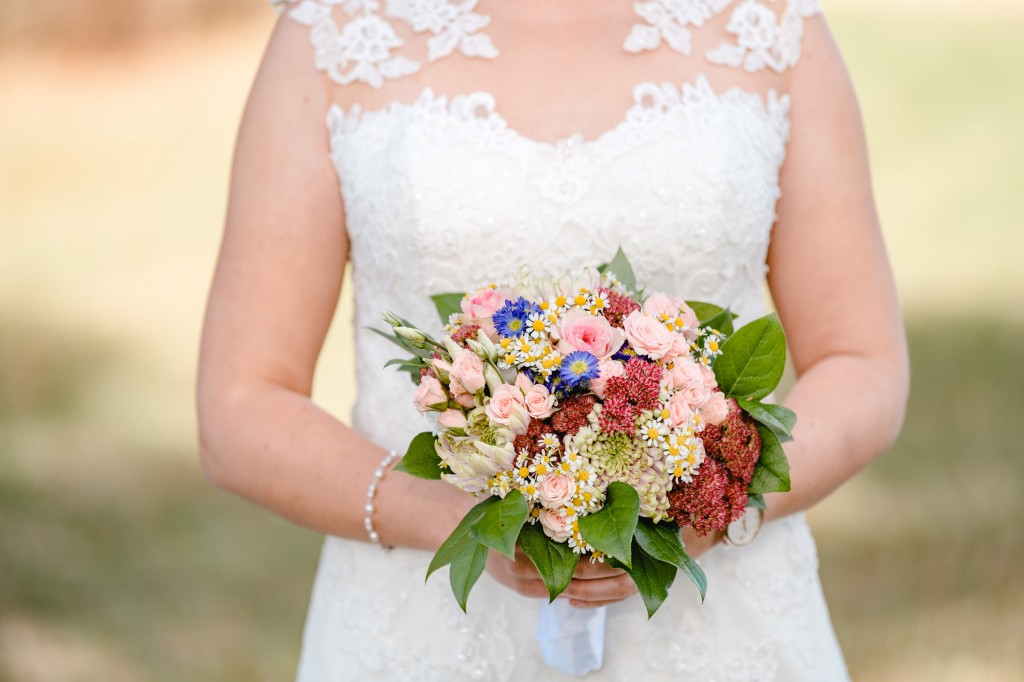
(593,419)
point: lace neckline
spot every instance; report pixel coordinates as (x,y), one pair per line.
(364,47)
(650,100)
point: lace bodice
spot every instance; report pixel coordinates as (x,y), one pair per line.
(455,171)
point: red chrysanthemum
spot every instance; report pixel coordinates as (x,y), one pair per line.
(572,413)
(619,306)
(735,442)
(714,499)
(464,333)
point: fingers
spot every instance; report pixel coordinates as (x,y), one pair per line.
(586,570)
(600,591)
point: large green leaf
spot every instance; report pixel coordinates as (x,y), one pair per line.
(421,459)
(611,528)
(499,525)
(663,542)
(752,359)
(771,475)
(467,566)
(555,561)
(652,577)
(722,322)
(779,419)
(460,537)
(620,266)
(705,311)
(447,305)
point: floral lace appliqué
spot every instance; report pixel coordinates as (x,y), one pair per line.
(764,40)
(667,21)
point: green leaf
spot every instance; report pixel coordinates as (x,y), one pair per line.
(652,576)
(756,500)
(460,537)
(421,458)
(555,561)
(771,475)
(447,305)
(499,526)
(611,528)
(696,575)
(663,542)
(752,359)
(705,311)
(722,322)
(620,267)
(779,419)
(467,566)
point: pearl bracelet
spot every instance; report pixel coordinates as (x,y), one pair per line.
(371,492)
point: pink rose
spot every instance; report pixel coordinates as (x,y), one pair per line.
(689,319)
(660,304)
(539,402)
(680,347)
(468,370)
(647,336)
(502,404)
(679,411)
(452,419)
(555,491)
(429,393)
(687,380)
(606,370)
(523,382)
(441,368)
(556,525)
(580,330)
(710,382)
(716,409)
(481,304)
(461,395)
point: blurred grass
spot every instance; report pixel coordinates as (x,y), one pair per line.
(118,561)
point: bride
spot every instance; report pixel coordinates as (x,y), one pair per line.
(436,144)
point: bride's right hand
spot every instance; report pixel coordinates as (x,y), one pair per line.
(592,585)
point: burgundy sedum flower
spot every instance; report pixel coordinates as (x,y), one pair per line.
(619,306)
(711,502)
(735,442)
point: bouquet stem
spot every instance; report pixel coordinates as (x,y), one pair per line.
(572,639)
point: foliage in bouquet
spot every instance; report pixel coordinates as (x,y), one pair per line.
(594,419)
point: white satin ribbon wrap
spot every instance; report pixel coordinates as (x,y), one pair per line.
(571,639)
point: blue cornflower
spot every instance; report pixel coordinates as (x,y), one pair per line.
(577,367)
(511,319)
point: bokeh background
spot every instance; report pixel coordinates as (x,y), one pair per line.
(119,562)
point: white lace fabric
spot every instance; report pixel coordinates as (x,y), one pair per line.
(442,192)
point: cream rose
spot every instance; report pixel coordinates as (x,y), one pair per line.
(428,393)
(468,370)
(580,330)
(647,336)
(606,370)
(556,525)
(555,491)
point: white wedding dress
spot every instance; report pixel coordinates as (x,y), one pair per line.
(442,194)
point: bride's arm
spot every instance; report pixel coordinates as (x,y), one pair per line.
(833,288)
(274,293)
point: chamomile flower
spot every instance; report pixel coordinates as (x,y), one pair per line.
(653,431)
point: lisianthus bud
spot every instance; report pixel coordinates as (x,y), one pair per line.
(414,336)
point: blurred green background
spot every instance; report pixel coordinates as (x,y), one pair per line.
(119,562)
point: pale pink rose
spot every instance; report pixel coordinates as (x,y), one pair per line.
(452,419)
(429,392)
(687,380)
(716,409)
(710,382)
(555,491)
(468,370)
(580,330)
(660,304)
(679,410)
(539,402)
(482,304)
(647,336)
(523,383)
(680,347)
(441,368)
(461,395)
(607,369)
(501,405)
(556,525)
